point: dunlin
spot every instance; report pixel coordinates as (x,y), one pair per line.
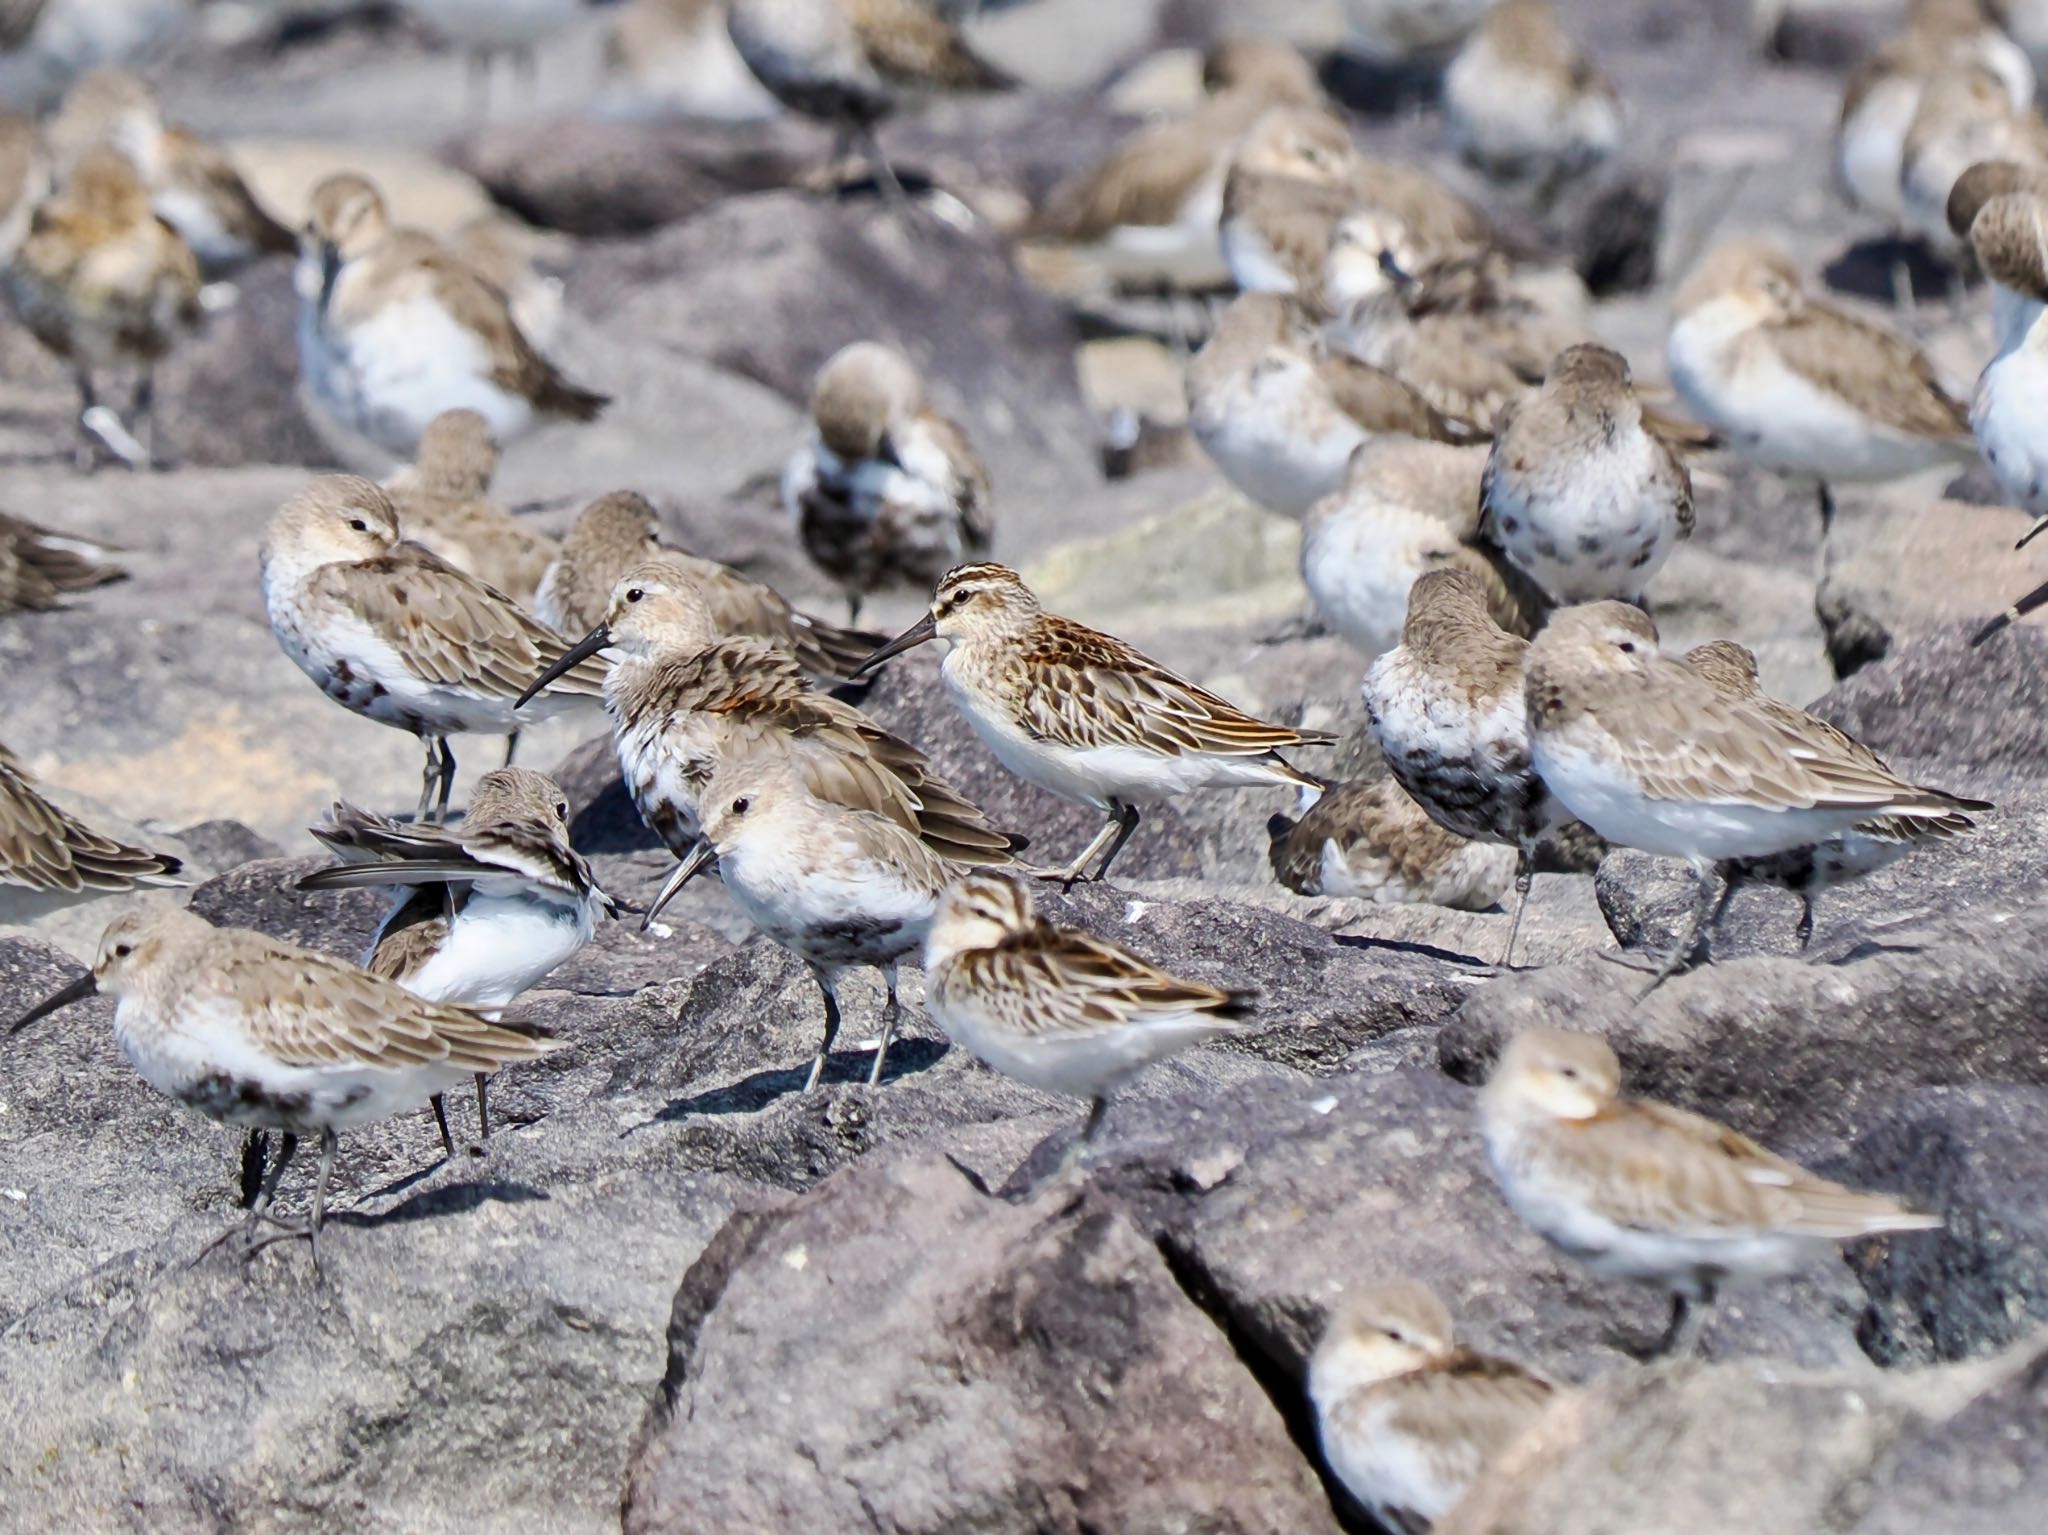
(885,492)
(1883,94)
(1408,1419)
(682,699)
(481,911)
(39,567)
(443,501)
(837,887)
(1057,1008)
(1281,414)
(1445,706)
(1369,839)
(621,530)
(1965,115)
(1801,387)
(54,856)
(1149,211)
(249,1030)
(1651,755)
(1406,507)
(852,63)
(1640,1190)
(1522,101)
(1730,670)
(1083,715)
(104,283)
(392,632)
(394,329)
(193,186)
(1580,492)
(2008,229)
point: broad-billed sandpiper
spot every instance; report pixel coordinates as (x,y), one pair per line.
(40,567)
(482,910)
(394,633)
(1369,839)
(1083,715)
(394,329)
(104,283)
(1801,387)
(837,887)
(1408,1419)
(1445,706)
(1640,1190)
(884,491)
(1652,755)
(1580,491)
(1522,102)
(1057,1008)
(250,1030)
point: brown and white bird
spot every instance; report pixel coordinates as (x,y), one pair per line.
(105,284)
(443,502)
(1640,1190)
(391,631)
(885,492)
(394,329)
(1409,1420)
(1883,95)
(1281,414)
(1581,491)
(852,63)
(2002,209)
(1369,839)
(1965,115)
(621,530)
(40,567)
(1084,715)
(1148,213)
(1802,387)
(1522,101)
(193,185)
(49,856)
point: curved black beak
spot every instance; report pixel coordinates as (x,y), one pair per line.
(584,648)
(86,985)
(684,872)
(1393,270)
(2040,526)
(924,629)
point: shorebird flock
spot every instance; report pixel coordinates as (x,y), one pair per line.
(1488,494)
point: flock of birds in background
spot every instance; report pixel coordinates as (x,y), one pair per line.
(1487,500)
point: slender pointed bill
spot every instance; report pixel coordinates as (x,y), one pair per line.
(2040,526)
(86,985)
(2012,615)
(924,629)
(582,650)
(330,272)
(685,871)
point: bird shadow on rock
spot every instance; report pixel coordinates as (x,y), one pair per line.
(1471,962)
(449,1199)
(1870,269)
(750,1095)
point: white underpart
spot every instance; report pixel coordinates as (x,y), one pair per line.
(1274,431)
(1872,147)
(1253,265)
(1613,500)
(1078,1065)
(1359,561)
(1383,1465)
(501,944)
(2011,426)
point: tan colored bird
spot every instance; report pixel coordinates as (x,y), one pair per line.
(53,855)
(39,567)
(443,502)
(105,284)
(1368,839)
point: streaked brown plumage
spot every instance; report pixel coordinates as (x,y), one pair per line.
(39,567)
(443,503)
(1368,838)
(43,848)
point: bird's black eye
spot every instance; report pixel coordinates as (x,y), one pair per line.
(1569,1073)
(635,595)
(123,950)
(1627,647)
(561,810)
(741,805)
(359,525)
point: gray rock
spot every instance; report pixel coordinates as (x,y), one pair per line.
(971,1363)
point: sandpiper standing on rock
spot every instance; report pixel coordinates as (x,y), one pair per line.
(1801,387)
(1652,755)
(1408,1420)
(1083,715)
(394,330)
(1445,706)
(480,911)
(250,1030)
(1580,492)
(1640,1190)
(1521,101)
(394,633)
(884,492)
(104,283)
(837,887)
(1057,1008)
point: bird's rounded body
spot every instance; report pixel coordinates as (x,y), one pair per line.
(1598,523)
(2006,416)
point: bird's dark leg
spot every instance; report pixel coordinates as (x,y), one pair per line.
(447,783)
(439,1104)
(1072,873)
(259,1212)
(1525,876)
(1128,816)
(142,423)
(1827,509)
(427,779)
(829,985)
(890,1012)
(483,1113)
(311,1230)
(511,747)
(1098,1111)
(1805,929)
(1682,951)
